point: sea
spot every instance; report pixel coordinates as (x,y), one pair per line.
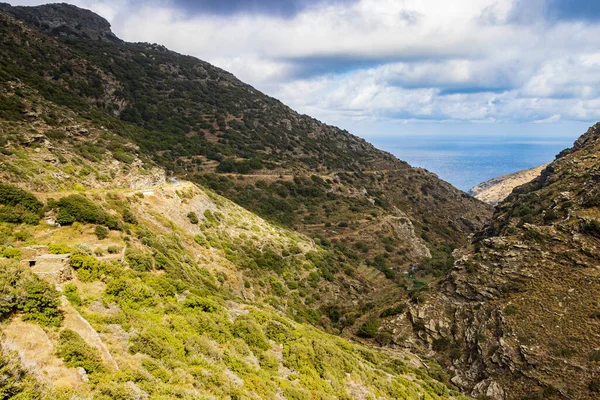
(466,161)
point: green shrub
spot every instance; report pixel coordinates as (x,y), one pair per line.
(60,249)
(369,328)
(138,259)
(113,249)
(101,232)
(123,156)
(391,311)
(10,215)
(158,343)
(72,293)
(14,196)
(193,217)
(16,384)
(250,332)
(11,252)
(129,217)
(21,290)
(591,227)
(76,353)
(278,332)
(200,304)
(88,268)
(76,208)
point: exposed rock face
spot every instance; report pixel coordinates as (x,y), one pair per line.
(518,316)
(497,189)
(63,20)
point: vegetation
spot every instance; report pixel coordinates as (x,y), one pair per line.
(21,291)
(18,206)
(369,328)
(101,232)
(77,353)
(193,218)
(180,331)
(76,208)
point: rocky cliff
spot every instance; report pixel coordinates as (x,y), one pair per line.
(518,316)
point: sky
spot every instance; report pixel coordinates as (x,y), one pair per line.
(383,68)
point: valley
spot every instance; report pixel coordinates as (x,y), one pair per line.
(168,231)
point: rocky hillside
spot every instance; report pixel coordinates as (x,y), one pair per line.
(518,316)
(497,189)
(81,109)
(201,122)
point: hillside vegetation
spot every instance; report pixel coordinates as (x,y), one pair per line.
(199,121)
(119,283)
(184,307)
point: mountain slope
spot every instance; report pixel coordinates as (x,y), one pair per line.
(518,316)
(196,120)
(83,109)
(164,305)
(497,189)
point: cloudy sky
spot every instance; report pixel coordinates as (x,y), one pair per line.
(387,67)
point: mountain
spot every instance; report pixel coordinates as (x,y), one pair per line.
(495,190)
(518,315)
(126,108)
(116,282)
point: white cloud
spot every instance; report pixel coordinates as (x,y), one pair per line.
(391,60)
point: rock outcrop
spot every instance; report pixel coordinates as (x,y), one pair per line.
(518,316)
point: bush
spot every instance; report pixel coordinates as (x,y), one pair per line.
(157,343)
(11,252)
(201,304)
(369,328)
(138,259)
(76,208)
(113,249)
(193,217)
(72,293)
(129,217)
(13,196)
(88,268)
(591,228)
(77,353)
(391,311)
(250,332)
(20,290)
(101,232)
(60,249)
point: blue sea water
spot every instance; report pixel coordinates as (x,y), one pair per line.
(467,161)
